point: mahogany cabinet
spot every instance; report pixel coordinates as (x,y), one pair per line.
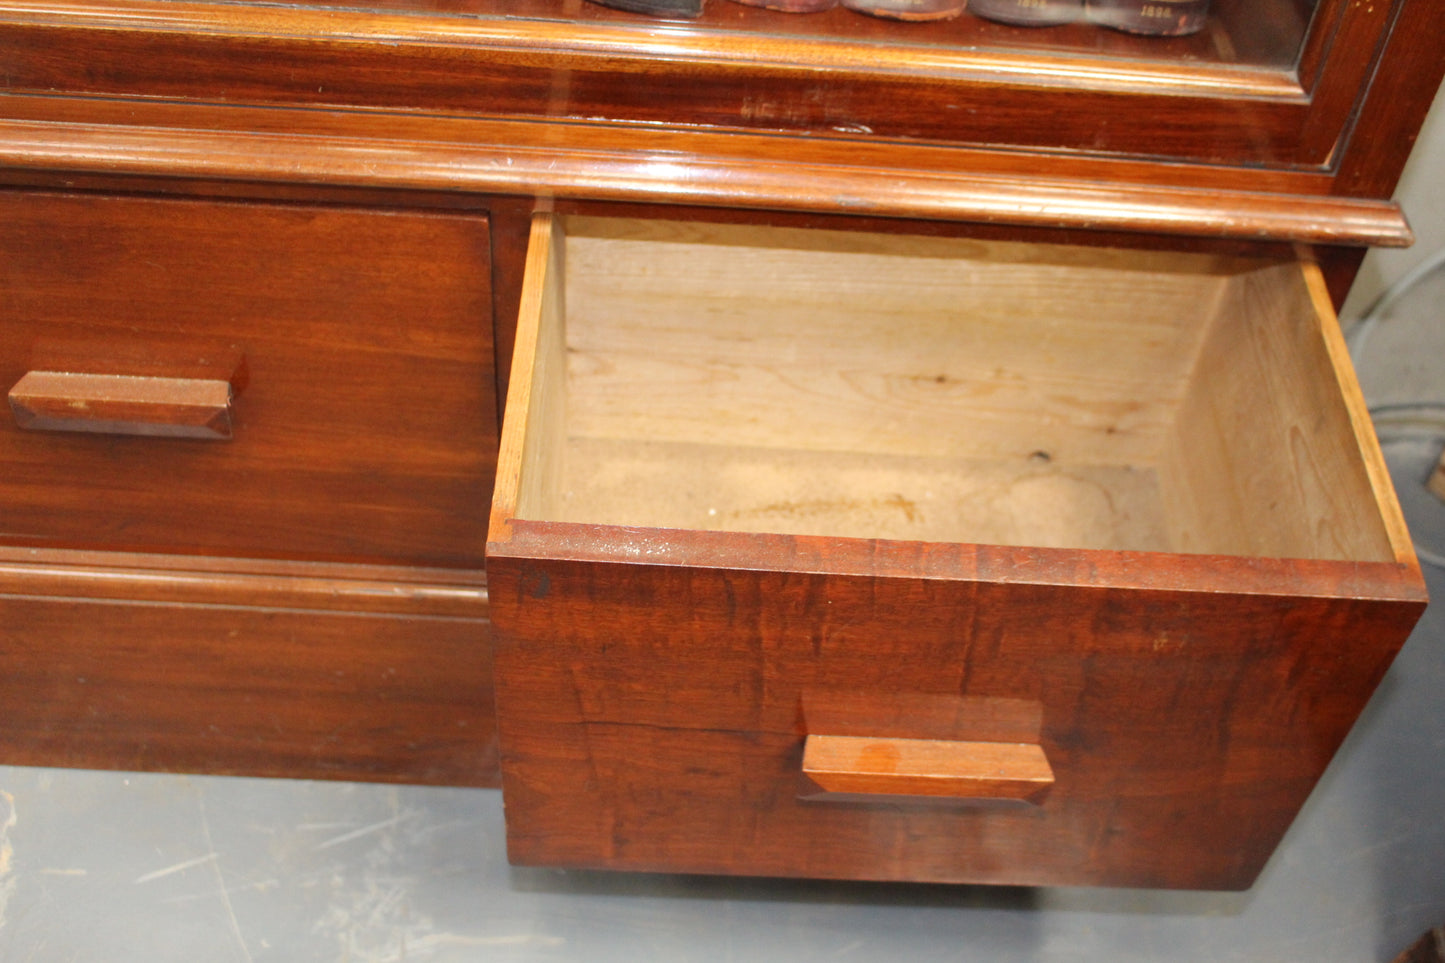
(341,360)
(921,451)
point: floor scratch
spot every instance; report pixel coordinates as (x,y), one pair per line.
(260,886)
(221,880)
(7,852)
(358,833)
(434,941)
(178,867)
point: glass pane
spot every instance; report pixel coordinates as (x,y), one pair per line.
(1251,33)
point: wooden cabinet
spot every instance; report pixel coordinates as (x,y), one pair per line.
(284,584)
(968,390)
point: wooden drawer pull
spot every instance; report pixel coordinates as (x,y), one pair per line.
(858,765)
(122,404)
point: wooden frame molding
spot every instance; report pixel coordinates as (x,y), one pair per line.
(577,161)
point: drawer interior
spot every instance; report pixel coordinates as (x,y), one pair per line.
(839,384)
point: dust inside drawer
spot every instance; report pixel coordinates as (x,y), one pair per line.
(728,378)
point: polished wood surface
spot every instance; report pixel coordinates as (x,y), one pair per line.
(658,682)
(649,713)
(863,766)
(1388,122)
(191,579)
(194,664)
(248,690)
(709,168)
(122,405)
(631,72)
(366,431)
(344,193)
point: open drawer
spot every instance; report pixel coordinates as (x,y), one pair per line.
(881,557)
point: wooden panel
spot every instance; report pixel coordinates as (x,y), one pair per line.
(931,768)
(122,405)
(366,431)
(856,342)
(528,461)
(727,377)
(652,716)
(1269,456)
(1395,105)
(705,168)
(245,690)
(1029,500)
(197,580)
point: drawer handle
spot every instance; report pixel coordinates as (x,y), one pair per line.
(859,765)
(122,404)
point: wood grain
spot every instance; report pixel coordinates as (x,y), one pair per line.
(649,713)
(1341,374)
(657,686)
(859,765)
(882,386)
(248,690)
(1395,105)
(122,405)
(857,342)
(366,431)
(1271,454)
(191,579)
(510,226)
(709,168)
(712,76)
(531,443)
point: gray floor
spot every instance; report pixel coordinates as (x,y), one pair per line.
(121,867)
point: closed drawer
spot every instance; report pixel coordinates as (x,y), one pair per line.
(260,380)
(895,558)
(210,686)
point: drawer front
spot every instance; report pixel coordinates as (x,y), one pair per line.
(714,656)
(655,717)
(239,690)
(245,379)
